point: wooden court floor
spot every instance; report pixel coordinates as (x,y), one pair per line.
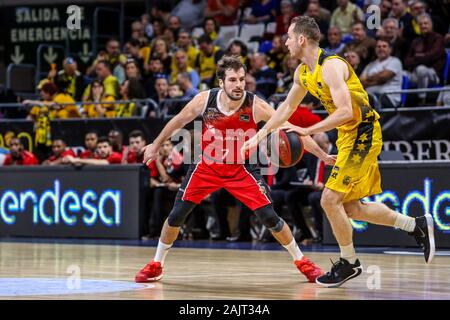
(30,270)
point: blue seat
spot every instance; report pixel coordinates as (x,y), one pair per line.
(446,67)
(346,38)
(405,85)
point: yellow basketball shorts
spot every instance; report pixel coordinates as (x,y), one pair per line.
(356,172)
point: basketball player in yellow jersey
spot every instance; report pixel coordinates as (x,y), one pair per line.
(355,175)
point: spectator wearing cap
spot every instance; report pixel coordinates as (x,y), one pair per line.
(76,82)
(18,156)
(426,57)
(104,155)
(207,60)
(181,66)
(185,43)
(59,151)
(222,11)
(190,12)
(55,104)
(184,81)
(345,15)
(335,44)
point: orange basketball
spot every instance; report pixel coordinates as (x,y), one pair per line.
(288,147)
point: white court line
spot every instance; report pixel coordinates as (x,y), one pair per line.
(410,253)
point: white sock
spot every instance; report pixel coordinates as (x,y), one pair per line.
(161,251)
(294,250)
(405,223)
(348,253)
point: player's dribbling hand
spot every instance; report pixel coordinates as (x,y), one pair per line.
(330,160)
(150,152)
(301,131)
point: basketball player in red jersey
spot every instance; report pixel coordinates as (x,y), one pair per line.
(227,112)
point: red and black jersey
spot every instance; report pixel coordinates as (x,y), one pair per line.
(87,154)
(25,159)
(224,133)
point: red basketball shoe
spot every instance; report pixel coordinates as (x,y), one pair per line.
(151,272)
(309,269)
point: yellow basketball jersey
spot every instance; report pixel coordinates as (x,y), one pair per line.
(314,83)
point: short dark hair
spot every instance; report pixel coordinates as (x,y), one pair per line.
(227,63)
(103,140)
(134,43)
(204,39)
(60,139)
(91,132)
(306,26)
(384,39)
(106,64)
(50,88)
(136,133)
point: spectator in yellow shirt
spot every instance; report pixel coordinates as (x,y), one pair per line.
(207,60)
(181,65)
(110,83)
(97,94)
(56,103)
(185,43)
(130,90)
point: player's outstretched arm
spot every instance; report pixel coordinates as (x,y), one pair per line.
(282,114)
(264,112)
(193,109)
(286,108)
(337,73)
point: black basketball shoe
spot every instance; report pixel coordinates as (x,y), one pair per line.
(424,235)
(341,271)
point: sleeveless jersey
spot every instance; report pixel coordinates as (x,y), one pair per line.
(314,84)
(224,133)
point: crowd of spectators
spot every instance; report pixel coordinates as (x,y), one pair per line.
(162,60)
(163,52)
